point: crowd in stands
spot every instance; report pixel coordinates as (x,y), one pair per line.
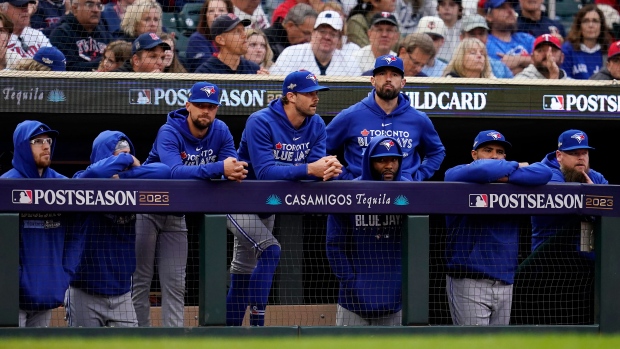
(326,37)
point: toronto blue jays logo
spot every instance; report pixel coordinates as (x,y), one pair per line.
(313,78)
(209,90)
(578,137)
(388,144)
(389,59)
(495,135)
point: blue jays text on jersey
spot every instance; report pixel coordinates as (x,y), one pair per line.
(288,153)
(206,156)
(401,136)
(376,220)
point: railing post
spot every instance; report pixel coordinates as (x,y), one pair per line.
(415,255)
(290,289)
(607,274)
(213,271)
(9,272)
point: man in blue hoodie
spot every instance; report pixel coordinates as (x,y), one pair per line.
(364,251)
(100,293)
(49,251)
(195,145)
(481,250)
(386,112)
(285,141)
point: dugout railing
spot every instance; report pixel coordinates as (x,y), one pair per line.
(214,199)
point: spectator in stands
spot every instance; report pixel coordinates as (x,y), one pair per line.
(546,60)
(361,16)
(366,258)
(147,55)
(253,11)
(612,70)
(48,14)
(383,35)
(80,37)
(482,250)
(345,45)
(6,29)
(100,293)
(534,21)
(48,58)
(295,28)
(320,56)
(115,55)
(113,14)
(433,27)
(586,44)
(282,10)
(505,43)
(259,51)
(228,33)
(450,11)
(171,60)
(49,250)
(143,16)
(416,50)
(25,41)
(201,46)
(470,60)
(475,26)
(410,12)
(386,110)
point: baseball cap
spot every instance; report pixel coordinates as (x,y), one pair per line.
(44,129)
(573,139)
(331,18)
(383,17)
(226,23)
(147,41)
(493,4)
(20,3)
(387,147)
(301,81)
(389,61)
(204,92)
(432,25)
(548,38)
(472,22)
(489,136)
(614,50)
(51,57)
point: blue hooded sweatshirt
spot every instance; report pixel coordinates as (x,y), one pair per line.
(546,226)
(275,150)
(109,258)
(486,246)
(354,127)
(49,251)
(187,156)
(364,252)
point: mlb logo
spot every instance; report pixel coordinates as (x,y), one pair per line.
(22,196)
(553,102)
(140,96)
(478,200)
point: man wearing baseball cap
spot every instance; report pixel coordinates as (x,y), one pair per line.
(25,40)
(356,252)
(228,34)
(482,250)
(285,141)
(475,26)
(612,70)
(547,58)
(383,35)
(435,28)
(147,55)
(195,145)
(321,55)
(386,110)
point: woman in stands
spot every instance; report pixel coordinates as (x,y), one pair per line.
(6,29)
(171,62)
(115,54)
(259,50)
(143,16)
(470,60)
(201,46)
(585,49)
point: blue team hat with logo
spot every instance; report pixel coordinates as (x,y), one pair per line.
(51,57)
(489,136)
(387,147)
(204,92)
(148,41)
(572,140)
(301,81)
(389,61)
(43,129)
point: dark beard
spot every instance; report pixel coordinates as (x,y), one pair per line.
(542,68)
(574,176)
(388,95)
(199,125)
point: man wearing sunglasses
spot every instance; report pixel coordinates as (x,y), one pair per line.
(25,41)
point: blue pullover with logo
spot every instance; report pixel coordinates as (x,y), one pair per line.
(355,126)
(486,246)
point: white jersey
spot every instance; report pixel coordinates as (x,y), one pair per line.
(24,45)
(259,19)
(366,59)
(300,56)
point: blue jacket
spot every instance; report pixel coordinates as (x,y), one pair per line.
(544,25)
(486,246)
(355,126)
(187,156)
(49,251)
(580,64)
(546,226)
(213,65)
(364,252)
(274,149)
(48,15)
(109,258)
(199,49)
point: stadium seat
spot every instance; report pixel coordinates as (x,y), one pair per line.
(181,44)
(565,10)
(188,17)
(169,21)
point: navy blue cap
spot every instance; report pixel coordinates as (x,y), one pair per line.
(204,92)
(226,23)
(387,147)
(44,129)
(148,41)
(19,3)
(51,57)
(572,140)
(301,81)
(492,4)
(489,136)
(389,61)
